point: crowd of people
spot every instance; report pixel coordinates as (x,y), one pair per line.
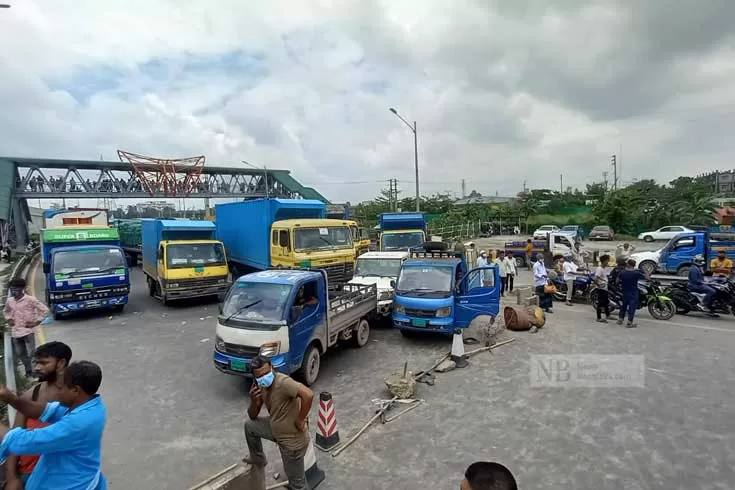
(134,184)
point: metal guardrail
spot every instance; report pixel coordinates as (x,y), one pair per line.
(8,357)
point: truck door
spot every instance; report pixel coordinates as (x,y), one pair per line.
(682,251)
(280,248)
(307,314)
(477,294)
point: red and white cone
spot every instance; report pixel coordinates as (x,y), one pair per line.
(327,435)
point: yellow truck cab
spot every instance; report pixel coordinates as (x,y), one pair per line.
(360,238)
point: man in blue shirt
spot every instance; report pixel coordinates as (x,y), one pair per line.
(697,285)
(71,447)
(629,287)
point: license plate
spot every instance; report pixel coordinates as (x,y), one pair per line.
(241,366)
(418,323)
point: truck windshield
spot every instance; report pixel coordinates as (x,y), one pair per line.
(194,255)
(424,279)
(322,238)
(402,241)
(378,267)
(87,262)
(254,302)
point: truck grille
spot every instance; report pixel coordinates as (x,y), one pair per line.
(198,283)
(87,294)
(241,350)
(339,273)
(414,312)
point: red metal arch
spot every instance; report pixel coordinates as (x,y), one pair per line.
(171,177)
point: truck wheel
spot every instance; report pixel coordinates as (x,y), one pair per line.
(309,370)
(361,335)
(520,261)
(683,271)
(647,266)
(161,294)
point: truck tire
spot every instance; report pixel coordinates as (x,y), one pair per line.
(151,287)
(520,261)
(647,266)
(309,370)
(361,335)
(683,271)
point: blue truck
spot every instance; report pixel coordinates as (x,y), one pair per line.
(289,233)
(402,231)
(85,269)
(290,317)
(436,292)
(676,257)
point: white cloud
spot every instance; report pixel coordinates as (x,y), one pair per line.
(503,92)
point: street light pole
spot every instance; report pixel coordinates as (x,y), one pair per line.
(265,175)
(412,127)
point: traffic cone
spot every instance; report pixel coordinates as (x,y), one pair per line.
(327,435)
(457,354)
(314,474)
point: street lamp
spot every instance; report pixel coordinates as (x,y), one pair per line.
(412,127)
(265,174)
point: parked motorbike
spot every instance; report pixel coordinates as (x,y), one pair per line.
(687,301)
(582,286)
(650,295)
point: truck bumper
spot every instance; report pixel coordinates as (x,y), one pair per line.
(225,362)
(91,304)
(174,294)
(440,325)
(385,308)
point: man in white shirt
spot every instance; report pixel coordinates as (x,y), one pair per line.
(540,278)
(500,262)
(570,273)
(510,269)
(482,259)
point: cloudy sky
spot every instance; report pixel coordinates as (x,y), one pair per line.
(503,91)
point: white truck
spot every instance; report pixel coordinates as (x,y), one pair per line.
(380,269)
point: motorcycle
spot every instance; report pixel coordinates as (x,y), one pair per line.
(582,286)
(687,301)
(650,295)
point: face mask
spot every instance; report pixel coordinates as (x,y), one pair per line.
(266,380)
(16,292)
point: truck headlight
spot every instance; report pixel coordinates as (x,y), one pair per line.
(270,349)
(222,281)
(219,344)
(400,309)
(173,284)
(385,295)
(444,312)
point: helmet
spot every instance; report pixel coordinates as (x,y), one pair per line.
(698,259)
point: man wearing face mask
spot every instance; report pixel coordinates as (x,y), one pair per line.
(23,313)
(288,404)
(50,359)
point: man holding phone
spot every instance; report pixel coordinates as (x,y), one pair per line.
(288,404)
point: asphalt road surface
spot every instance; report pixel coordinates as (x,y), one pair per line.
(174,420)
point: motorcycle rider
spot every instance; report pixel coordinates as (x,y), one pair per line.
(696,283)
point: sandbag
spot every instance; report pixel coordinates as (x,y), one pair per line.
(517,318)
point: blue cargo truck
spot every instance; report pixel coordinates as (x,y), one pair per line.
(676,257)
(290,233)
(85,269)
(402,231)
(436,292)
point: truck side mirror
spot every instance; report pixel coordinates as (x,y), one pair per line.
(46,267)
(393,283)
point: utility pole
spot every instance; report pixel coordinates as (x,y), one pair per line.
(604,179)
(615,171)
(464,189)
(561,183)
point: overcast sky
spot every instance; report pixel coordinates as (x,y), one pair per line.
(503,91)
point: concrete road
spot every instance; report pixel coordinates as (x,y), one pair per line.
(173,419)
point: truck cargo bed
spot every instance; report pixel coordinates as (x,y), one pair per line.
(355,302)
